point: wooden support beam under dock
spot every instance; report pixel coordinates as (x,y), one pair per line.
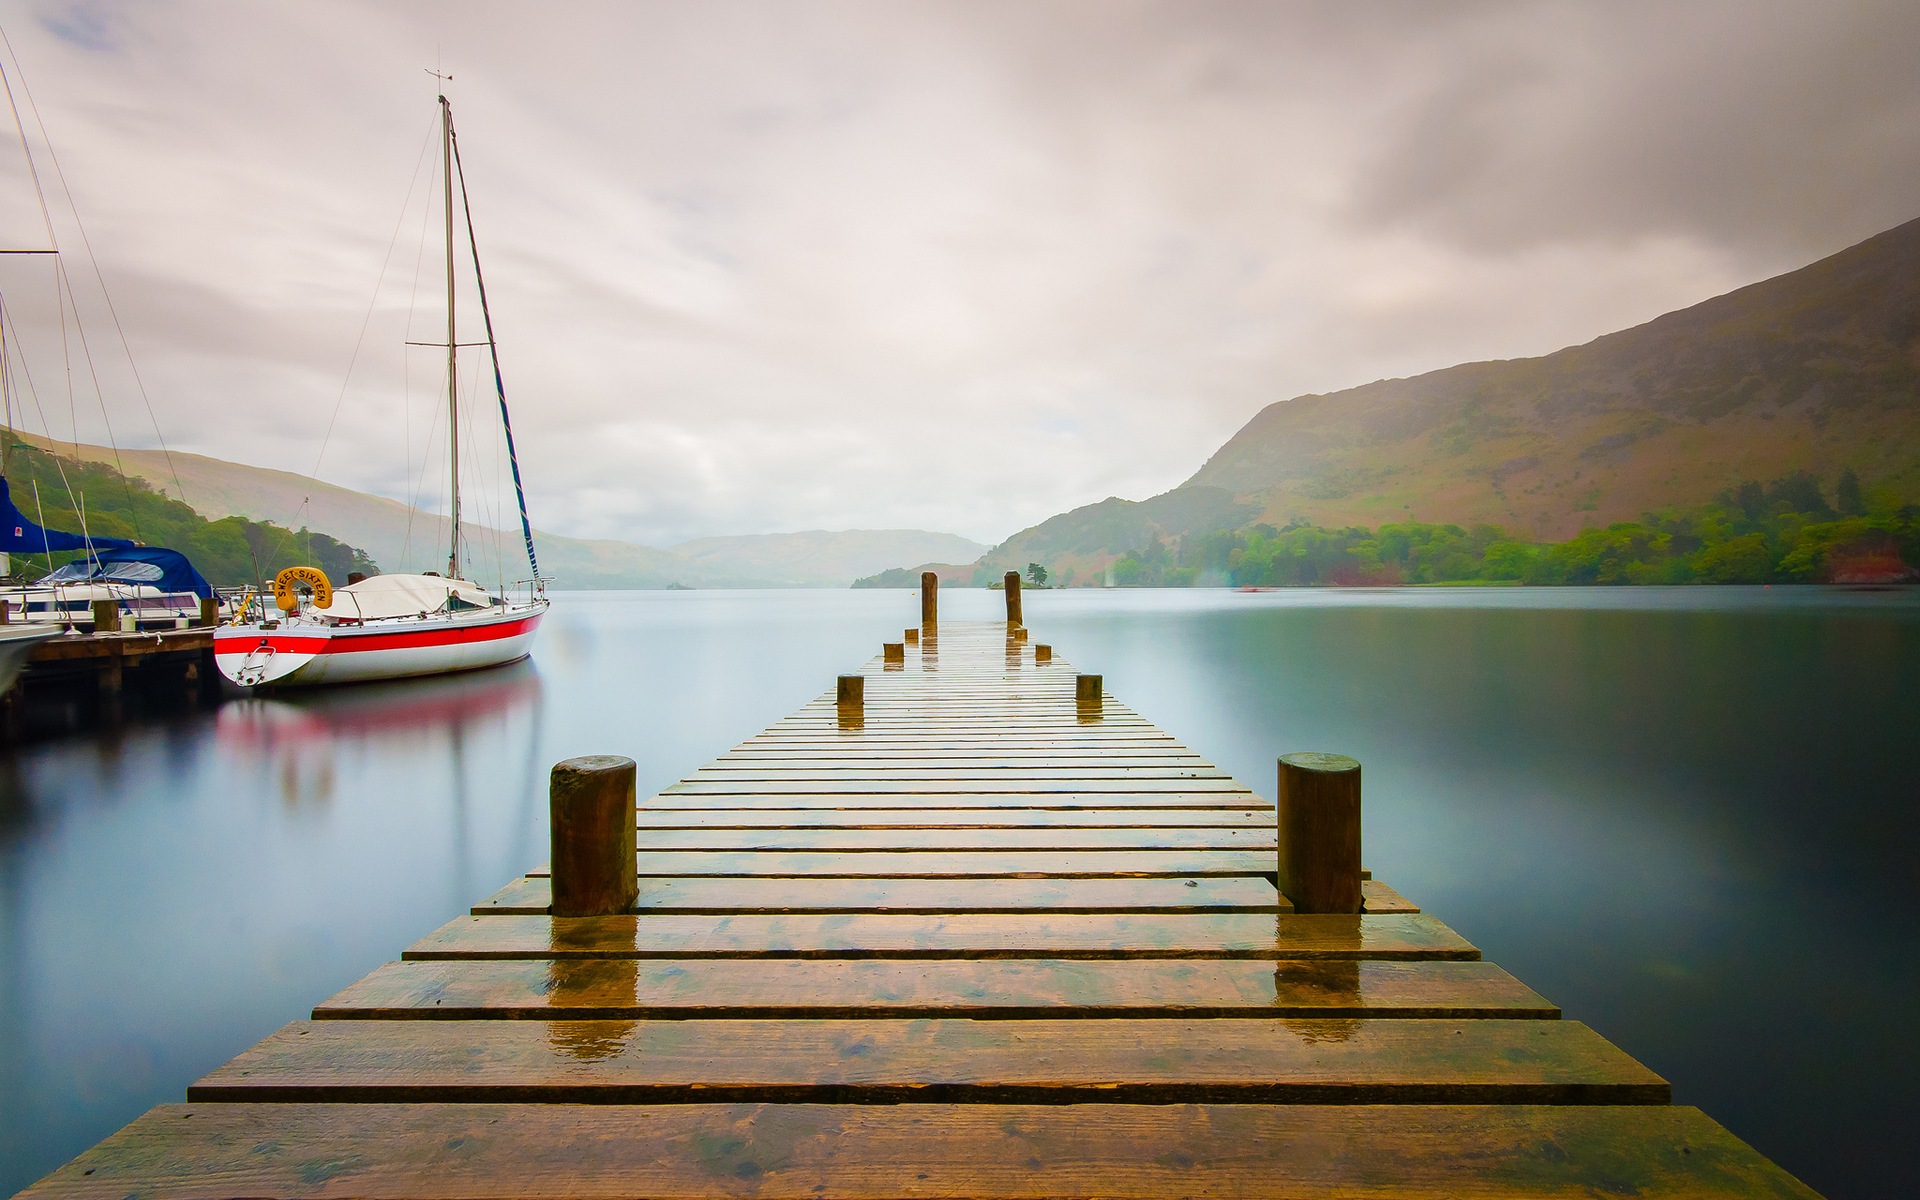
(967,927)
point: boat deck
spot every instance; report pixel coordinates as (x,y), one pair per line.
(975,941)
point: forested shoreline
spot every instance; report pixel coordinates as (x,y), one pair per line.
(1787,531)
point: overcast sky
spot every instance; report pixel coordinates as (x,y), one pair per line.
(772,266)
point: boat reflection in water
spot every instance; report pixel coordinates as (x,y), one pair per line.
(303,738)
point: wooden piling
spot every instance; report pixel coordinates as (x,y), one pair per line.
(852,692)
(1086,693)
(1013,599)
(209,612)
(106,616)
(591,802)
(1319,832)
(912,636)
(1042,653)
(893,652)
(6,612)
(929,599)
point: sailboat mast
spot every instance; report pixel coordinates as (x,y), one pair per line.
(453,348)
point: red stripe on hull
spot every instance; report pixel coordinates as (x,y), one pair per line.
(347,641)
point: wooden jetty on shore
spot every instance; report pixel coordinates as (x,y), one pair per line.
(966,926)
(100,667)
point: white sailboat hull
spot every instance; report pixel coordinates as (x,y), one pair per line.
(303,653)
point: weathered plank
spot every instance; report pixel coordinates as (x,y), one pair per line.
(1305,1060)
(938,1152)
(839,773)
(825,894)
(959,935)
(752,757)
(955,864)
(581,989)
(922,839)
(1142,820)
(1016,785)
(684,801)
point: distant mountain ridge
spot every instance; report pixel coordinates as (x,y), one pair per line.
(399,539)
(1815,370)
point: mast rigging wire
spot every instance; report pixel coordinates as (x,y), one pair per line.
(493,347)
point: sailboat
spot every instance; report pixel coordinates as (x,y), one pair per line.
(398,626)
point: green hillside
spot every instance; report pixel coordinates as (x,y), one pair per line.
(51,490)
(1815,371)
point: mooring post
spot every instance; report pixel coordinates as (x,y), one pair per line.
(929,599)
(1013,599)
(1086,694)
(1320,832)
(912,636)
(106,616)
(850,708)
(592,816)
(893,652)
(209,612)
(1042,653)
(1018,635)
(6,612)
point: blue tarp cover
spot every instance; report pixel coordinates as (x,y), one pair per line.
(21,536)
(150,566)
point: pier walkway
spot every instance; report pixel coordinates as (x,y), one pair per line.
(971,937)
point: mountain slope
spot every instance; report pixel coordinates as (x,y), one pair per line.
(1815,370)
(398,539)
(1818,369)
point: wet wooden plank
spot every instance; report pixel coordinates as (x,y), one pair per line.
(579,989)
(916,772)
(962,757)
(1377,897)
(923,839)
(1019,786)
(955,864)
(937,1152)
(960,935)
(1065,820)
(958,799)
(1164,1061)
(820,894)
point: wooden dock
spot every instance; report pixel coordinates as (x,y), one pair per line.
(89,677)
(967,937)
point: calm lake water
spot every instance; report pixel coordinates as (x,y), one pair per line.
(1688,816)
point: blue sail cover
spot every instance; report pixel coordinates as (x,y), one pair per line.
(147,566)
(21,536)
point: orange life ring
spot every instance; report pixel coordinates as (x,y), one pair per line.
(287,585)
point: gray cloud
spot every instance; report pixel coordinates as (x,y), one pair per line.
(762,266)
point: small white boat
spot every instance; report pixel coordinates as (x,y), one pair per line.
(151,587)
(398,626)
(16,643)
(386,627)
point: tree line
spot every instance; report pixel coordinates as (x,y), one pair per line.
(1786,531)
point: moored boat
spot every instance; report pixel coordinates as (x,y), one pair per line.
(385,627)
(401,625)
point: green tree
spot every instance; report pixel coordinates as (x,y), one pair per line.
(1846,495)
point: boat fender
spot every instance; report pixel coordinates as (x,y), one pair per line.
(287,585)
